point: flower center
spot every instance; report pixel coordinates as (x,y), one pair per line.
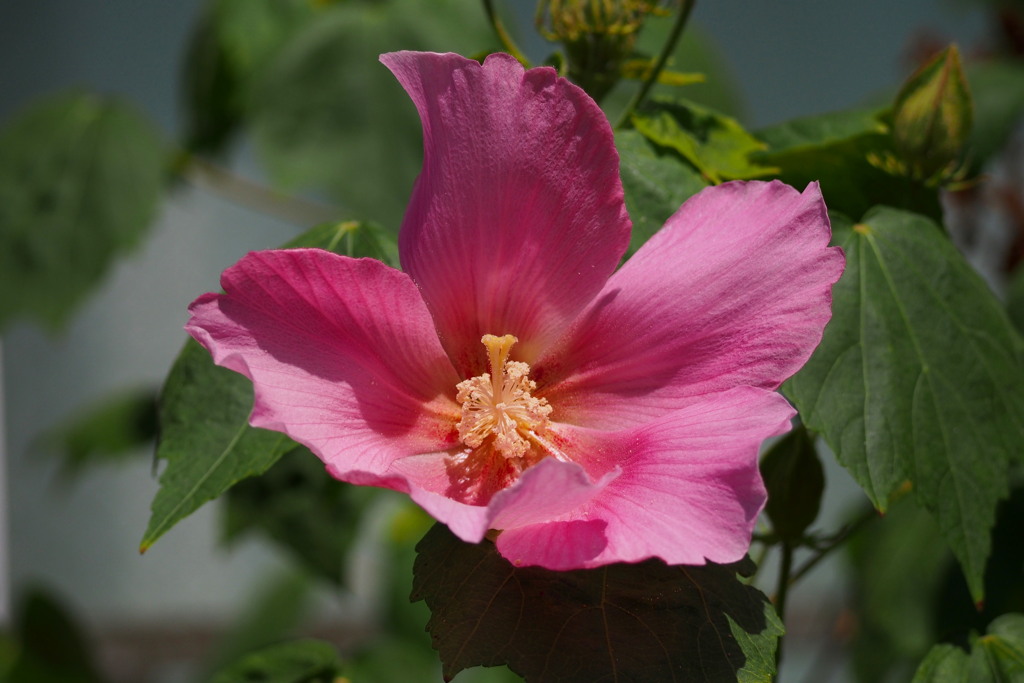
(498,404)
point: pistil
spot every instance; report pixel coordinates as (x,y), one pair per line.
(499,406)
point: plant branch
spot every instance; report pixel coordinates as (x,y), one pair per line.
(782,592)
(833,543)
(666,51)
(503,35)
(250,194)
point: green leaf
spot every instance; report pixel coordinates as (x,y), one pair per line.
(66,167)
(656,185)
(300,507)
(52,647)
(204,410)
(354,238)
(297,661)
(717,145)
(844,151)
(230,50)
(822,130)
(944,664)
(206,438)
(996,657)
(629,622)
(329,116)
(918,377)
(115,427)
(1015,299)
(213,105)
(795,481)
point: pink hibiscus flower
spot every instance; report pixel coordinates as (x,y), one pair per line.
(510,378)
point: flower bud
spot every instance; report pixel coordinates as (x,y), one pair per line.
(598,35)
(932,118)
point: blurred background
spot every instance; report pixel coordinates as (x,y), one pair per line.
(156,615)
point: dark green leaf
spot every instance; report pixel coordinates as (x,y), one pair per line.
(655,185)
(297,661)
(625,622)
(53,647)
(114,428)
(204,410)
(206,438)
(210,91)
(329,116)
(1015,299)
(795,481)
(845,152)
(230,50)
(298,505)
(995,657)
(918,377)
(80,178)
(716,145)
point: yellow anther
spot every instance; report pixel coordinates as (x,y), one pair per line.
(498,404)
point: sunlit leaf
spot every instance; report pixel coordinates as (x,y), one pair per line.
(80,178)
(656,185)
(297,661)
(204,410)
(918,378)
(822,130)
(697,53)
(996,657)
(845,152)
(717,145)
(627,622)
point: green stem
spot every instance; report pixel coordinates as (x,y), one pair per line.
(836,541)
(253,195)
(782,592)
(503,35)
(666,51)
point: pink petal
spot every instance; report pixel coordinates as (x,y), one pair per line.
(342,354)
(689,489)
(517,218)
(548,490)
(734,290)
